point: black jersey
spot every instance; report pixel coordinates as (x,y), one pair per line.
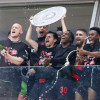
(61,54)
(41,41)
(33,54)
(18,49)
(92,60)
(45,53)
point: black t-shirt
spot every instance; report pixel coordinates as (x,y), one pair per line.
(92,60)
(44,52)
(61,54)
(34,57)
(41,41)
(18,49)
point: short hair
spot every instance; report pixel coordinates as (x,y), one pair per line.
(83,30)
(59,28)
(97,29)
(54,35)
(72,35)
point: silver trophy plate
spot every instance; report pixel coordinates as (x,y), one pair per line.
(48,16)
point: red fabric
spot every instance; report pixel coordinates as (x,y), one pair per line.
(79,67)
(76,77)
(42,80)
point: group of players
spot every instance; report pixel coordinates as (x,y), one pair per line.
(77,81)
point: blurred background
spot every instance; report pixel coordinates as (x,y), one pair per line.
(80,14)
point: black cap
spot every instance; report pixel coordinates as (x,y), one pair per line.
(96,29)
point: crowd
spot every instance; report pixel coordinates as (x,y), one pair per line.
(52,52)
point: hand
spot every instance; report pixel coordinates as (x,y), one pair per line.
(3,52)
(50,64)
(82,52)
(47,62)
(31,72)
(64,16)
(30,19)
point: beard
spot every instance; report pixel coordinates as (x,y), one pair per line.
(79,44)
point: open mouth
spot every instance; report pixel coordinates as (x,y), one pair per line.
(47,41)
(77,39)
(13,32)
(91,41)
(41,32)
(63,38)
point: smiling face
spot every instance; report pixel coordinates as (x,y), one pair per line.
(50,40)
(93,37)
(66,38)
(41,31)
(80,38)
(16,30)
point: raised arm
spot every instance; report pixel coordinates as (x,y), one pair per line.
(64,28)
(31,42)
